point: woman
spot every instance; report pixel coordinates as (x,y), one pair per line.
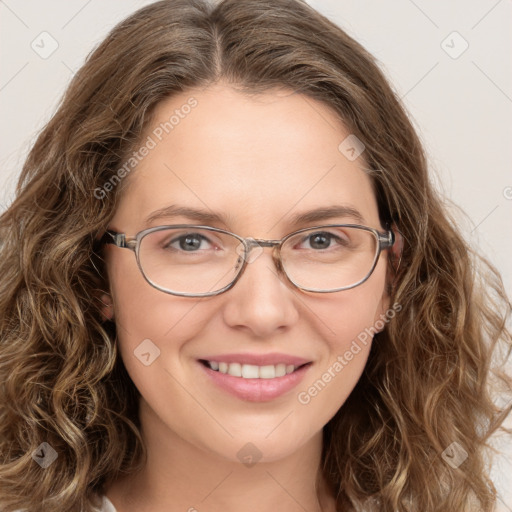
(229,284)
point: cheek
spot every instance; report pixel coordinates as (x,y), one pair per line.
(347,315)
(146,319)
(140,309)
(334,377)
(347,323)
(347,333)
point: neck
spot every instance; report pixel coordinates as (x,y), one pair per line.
(180,476)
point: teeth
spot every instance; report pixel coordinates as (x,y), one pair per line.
(235,369)
(251,371)
(267,372)
(281,370)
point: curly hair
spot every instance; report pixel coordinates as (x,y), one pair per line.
(433,372)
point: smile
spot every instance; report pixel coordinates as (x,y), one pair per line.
(251,382)
(251,371)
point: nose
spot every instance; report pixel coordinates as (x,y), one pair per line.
(262,301)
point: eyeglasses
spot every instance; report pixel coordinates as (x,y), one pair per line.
(201,261)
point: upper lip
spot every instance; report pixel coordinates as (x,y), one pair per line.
(257,359)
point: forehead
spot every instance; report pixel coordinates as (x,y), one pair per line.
(256,158)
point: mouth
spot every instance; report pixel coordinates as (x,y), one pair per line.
(252,371)
(254,383)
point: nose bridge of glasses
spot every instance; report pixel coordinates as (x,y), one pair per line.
(254,242)
(259,243)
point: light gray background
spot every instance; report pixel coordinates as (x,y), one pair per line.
(461,105)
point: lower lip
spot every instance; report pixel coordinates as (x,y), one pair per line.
(256,390)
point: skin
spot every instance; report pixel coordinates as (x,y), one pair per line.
(258,160)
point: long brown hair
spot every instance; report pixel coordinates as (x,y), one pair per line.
(427,383)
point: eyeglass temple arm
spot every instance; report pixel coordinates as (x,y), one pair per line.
(112,237)
(117,239)
(387,239)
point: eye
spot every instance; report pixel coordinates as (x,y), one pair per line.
(323,240)
(190,242)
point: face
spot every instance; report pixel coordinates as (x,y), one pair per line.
(257,161)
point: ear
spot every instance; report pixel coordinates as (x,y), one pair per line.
(107,308)
(394,259)
(396,250)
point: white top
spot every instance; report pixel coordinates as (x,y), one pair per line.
(106,505)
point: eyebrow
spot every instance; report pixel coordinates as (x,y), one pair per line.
(209,217)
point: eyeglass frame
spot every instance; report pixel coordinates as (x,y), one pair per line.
(385,240)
